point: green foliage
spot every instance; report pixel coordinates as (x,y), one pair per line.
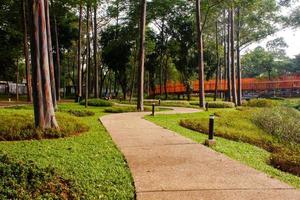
(246,153)
(81,113)
(279,133)
(25,180)
(217,104)
(97,103)
(91,160)
(260,103)
(19,125)
(124,109)
(281,122)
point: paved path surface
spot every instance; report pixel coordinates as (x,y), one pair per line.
(166,165)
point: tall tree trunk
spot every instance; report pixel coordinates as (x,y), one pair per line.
(50,54)
(133,75)
(87,73)
(229,95)
(95,53)
(200,54)
(218,63)
(79,71)
(42,96)
(58,67)
(166,77)
(17,80)
(26,53)
(233,71)
(239,70)
(140,99)
(225,53)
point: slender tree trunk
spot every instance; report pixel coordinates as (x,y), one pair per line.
(95,53)
(133,75)
(58,67)
(166,77)
(42,96)
(79,71)
(26,53)
(17,80)
(225,53)
(140,99)
(218,64)
(87,73)
(233,71)
(229,95)
(50,52)
(239,70)
(200,55)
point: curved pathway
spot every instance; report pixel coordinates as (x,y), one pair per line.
(166,165)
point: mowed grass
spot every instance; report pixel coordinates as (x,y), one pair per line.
(248,154)
(91,159)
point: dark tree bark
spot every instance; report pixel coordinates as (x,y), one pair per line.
(79,71)
(42,96)
(225,52)
(87,73)
(26,53)
(58,67)
(95,53)
(239,70)
(200,55)
(50,54)
(140,99)
(229,86)
(218,64)
(233,71)
(17,80)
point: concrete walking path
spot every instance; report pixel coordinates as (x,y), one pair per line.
(166,165)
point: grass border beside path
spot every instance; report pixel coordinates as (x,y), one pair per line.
(91,160)
(250,155)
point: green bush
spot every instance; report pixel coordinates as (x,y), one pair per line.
(81,113)
(97,103)
(261,103)
(15,126)
(220,104)
(120,109)
(286,160)
(281,122)
(24,180)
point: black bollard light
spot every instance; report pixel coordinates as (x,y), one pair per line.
(206,106)
(153,109)
(211,141)
(159,102)
(120,99)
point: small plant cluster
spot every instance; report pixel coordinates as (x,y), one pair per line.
(97,103)
(261,103)
(15,126)
(277,130)
(25,180)
(81,113)
(124,109)
(220,104)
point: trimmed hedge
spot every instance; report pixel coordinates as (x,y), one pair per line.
(220,104)
(97,103)
(261,103)
(81,113)
(24,180)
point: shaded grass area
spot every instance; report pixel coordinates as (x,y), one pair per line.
(25,180)
(97,103)
(248,154)
(91,159)
(17,123)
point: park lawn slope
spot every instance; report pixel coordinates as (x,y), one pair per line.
(246,153)
(91,159)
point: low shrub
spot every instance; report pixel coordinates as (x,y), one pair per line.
(281,122)
(288,161)
(81,113)
(97,103)
(261,103)
(15,126)
(220,104)
(124,109)
(24,180)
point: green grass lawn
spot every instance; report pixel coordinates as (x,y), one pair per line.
(248,154)
(91,160)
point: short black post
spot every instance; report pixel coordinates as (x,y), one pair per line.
(159,102)
(153,109)
(211,141)
(120,99)
(206,106)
